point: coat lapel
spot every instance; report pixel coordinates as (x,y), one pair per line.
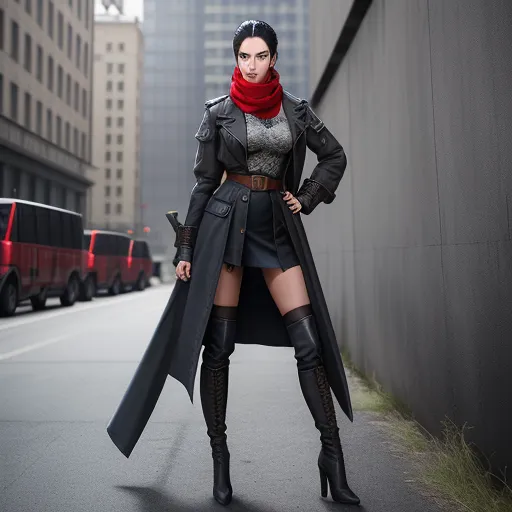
(232,119)
(296,115)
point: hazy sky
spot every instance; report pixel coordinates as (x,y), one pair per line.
(131,7)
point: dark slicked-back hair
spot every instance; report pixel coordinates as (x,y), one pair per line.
(255,28)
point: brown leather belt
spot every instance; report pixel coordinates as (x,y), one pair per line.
(256,182)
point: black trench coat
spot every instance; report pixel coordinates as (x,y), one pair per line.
(176,343)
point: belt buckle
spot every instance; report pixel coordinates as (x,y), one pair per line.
(259,182)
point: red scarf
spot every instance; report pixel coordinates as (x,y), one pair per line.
(262,100)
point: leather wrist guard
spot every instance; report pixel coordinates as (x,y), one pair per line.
(185,241)
(311,194)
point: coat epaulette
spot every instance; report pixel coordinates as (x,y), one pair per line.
(211,103)
(295,98)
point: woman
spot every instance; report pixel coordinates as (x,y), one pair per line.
(245,271)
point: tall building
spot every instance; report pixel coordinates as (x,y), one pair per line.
(172,109)
(290,20)
(188,59)
(45,94)
(118,58)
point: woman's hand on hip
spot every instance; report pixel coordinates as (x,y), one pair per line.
(293,202)
(183,270)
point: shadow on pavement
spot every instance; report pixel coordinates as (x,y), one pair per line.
(154,500)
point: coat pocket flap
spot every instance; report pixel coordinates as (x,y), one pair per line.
(218,207)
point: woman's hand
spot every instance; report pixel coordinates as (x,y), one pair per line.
(293,202)
(183,270)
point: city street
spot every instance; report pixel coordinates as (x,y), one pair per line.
(63,372)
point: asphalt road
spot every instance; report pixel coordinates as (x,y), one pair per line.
(62,374)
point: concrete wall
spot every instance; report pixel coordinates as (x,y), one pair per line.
(415,254)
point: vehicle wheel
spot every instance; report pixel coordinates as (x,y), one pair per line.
(9,298)
(70,295)
(115,289)
(87,289)
(39,301)
(140,285)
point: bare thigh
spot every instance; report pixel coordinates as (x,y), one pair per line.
(287,288)
(228,287)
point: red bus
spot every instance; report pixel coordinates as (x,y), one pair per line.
(41,254)
(107,261)
(140,264)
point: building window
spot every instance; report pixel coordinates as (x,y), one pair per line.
(28,6)
(84,144)
(107,156)
(109,85)
(79,9)
(78,50)
(14,101)
(49,124)
(120,104)
(107,173)
(86,9)
(60,81)
(60,30)
(2,29)
(119,156)
(86,59)
(109,47)
(15,34)
(76,141)
(120,139)
(120,86)
(47,191)
(108,122)
(119,208)
(120,68)
(39,14)
(39,63)
(121,47)
(59,131)
(31,188)
(119,174)
(107,208)
(84,102)
(108,138)
(50,72)
(107,191)
(68,89)
(28,53)
(110,68)
(28,111)
(51,14)
(119,191)
(68,136)
(70,42)
(1,93)
(108,104)
(39,118)
(120,122)
(77,97)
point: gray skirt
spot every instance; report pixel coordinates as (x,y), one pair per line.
(261,248)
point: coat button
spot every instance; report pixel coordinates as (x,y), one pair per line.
(323,141)
(245,198)
(242,231)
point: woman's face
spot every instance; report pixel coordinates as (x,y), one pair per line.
(254,59)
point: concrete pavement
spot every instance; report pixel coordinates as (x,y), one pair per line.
(62,374)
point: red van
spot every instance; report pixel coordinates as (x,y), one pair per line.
(140,264)
(41,254)
(107,261)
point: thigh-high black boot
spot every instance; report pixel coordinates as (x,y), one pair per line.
(317,393)
(219,343)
